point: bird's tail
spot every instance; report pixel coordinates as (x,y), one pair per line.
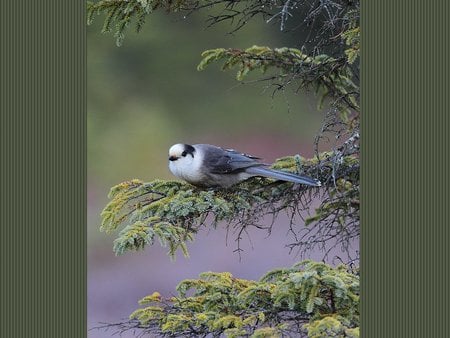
(283,176)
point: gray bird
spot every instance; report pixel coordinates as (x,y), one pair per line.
(205,165)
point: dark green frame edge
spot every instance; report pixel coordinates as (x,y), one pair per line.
(405,160)
(43,168)
(405,169)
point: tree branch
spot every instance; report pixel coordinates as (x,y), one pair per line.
(176,211)
(285,302)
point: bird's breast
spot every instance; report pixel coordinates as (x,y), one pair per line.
(188,172)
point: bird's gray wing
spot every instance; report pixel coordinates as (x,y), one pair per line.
(227,161)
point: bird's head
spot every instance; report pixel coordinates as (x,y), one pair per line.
(181,153)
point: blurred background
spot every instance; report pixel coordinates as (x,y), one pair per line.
(147,95)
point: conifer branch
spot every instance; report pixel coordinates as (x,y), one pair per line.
(310,299)
(333,17)
(330,77)
(172,212)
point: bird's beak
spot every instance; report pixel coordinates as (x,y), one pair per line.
(173,158)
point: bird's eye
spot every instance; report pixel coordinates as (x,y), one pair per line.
(184,153)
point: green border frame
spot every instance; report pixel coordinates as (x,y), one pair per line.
(405,160)
(43,175)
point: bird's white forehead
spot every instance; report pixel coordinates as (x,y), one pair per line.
(176,149)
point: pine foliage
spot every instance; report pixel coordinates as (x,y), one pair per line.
(330,77)
(119,14)
(334,16)
(309,299)
(172,212)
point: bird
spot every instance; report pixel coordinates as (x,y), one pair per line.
(206,166)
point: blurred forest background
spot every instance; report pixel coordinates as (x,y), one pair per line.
(147,95)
